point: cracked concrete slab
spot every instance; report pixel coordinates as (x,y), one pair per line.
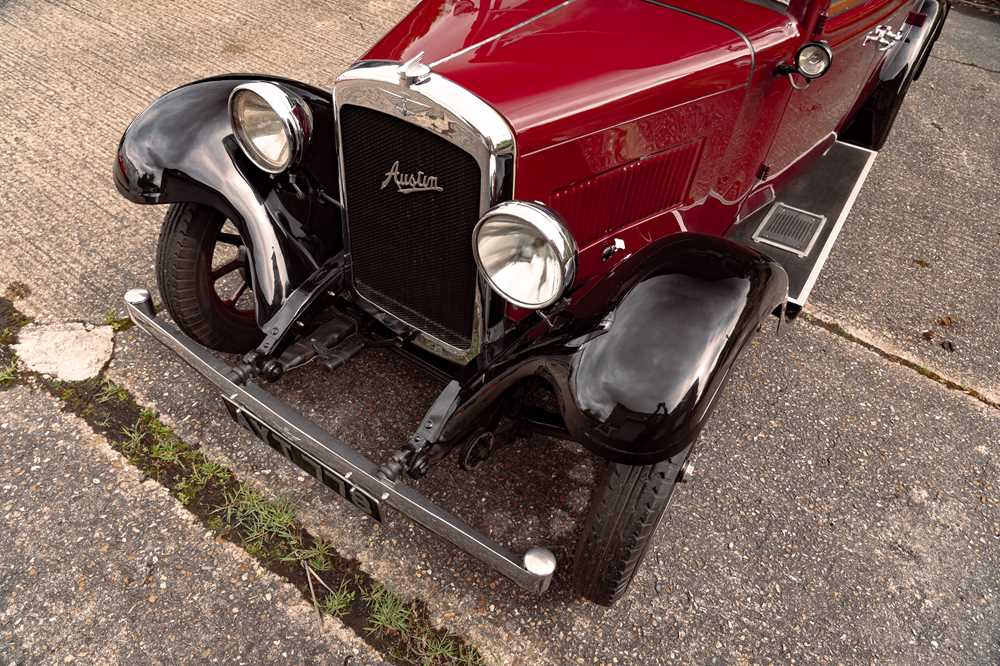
(100,566)
(71,352)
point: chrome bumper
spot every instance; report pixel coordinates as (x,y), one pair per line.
(532,571)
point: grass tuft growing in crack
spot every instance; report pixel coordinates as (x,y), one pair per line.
(339,602)
(8,373)
(389,612)
(117,324)
(11,321)
(392,617)
(202,474)
(318,556)
(265,527)
(260,521)
(111,391)
(440,648)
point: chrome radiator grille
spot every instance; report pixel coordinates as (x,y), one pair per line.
(411,250)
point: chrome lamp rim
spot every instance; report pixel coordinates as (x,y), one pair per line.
(548,223)
(823,46)
(294,113)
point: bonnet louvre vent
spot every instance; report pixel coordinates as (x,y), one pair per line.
(599,205)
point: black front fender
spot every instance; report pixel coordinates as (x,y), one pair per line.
(645,353)
(642,390)
(182,149)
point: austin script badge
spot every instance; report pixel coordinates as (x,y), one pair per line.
(408,183)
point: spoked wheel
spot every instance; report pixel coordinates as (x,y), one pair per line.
(203,268)
(230,274)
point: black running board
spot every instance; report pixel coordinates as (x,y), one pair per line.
(822,196)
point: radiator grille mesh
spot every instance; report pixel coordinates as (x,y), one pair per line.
(412,253)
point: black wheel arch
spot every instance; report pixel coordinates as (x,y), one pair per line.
(871,123)
(181,149)
(642,356)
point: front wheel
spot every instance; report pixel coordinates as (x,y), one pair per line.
(627,504)
(204,275)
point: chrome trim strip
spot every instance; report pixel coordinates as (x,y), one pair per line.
(503,33)
(739,33)
(680,220)
(454,114)
(800,300)
(831,137)
(530,571)
(769,198)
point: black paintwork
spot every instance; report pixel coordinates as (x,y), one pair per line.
(638,360)
(871,124)
(182,148)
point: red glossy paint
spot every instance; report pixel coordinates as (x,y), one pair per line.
(640,118)
(827,103)
(562,75)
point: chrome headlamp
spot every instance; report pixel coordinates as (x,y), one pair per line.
(525,253)
(271,124)
(813,60)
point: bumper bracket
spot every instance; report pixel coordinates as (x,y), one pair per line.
(532,571)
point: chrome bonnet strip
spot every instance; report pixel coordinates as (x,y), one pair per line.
(722,24)
(503,33)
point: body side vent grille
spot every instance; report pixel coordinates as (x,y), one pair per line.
(601,204)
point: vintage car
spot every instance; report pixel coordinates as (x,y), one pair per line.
(576,213)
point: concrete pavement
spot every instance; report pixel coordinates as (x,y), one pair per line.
(916,266)
(844,508)
(100,566)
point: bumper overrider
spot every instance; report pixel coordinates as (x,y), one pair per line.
(333,461)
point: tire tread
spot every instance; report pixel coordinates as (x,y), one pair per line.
(179,268)
(626,506)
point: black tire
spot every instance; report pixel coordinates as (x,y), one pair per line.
(625,508)
(188,281)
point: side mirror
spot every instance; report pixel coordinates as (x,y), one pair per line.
(812,60)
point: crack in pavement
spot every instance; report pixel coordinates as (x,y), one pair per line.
(837,329)
(215,497)
(967,64)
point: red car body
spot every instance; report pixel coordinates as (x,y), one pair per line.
(641,119)
(679,169)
